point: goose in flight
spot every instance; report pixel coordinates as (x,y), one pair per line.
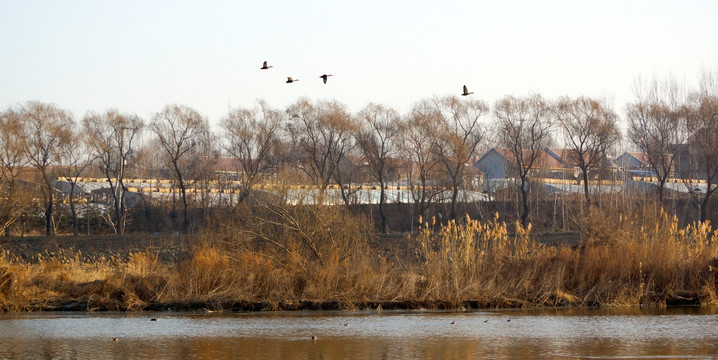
(290,80)
(265,67)
(324,77)
(466,91)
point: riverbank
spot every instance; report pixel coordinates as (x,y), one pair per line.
(330,261)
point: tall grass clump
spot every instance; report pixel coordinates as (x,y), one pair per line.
(474,261)
(620,260)
(277,252)
(639,258)
(68,280)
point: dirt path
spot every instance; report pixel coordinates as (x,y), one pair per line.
(170,247)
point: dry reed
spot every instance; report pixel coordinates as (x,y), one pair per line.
(284,258)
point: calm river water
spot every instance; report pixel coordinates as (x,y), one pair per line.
(627,333)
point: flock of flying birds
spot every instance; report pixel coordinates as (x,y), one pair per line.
(325,76)
(289,78)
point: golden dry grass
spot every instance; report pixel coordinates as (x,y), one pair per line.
(282,257)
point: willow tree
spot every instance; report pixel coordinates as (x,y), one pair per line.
(252,139)
(590,130)
(459,134)
(76,158)
(656,126)
(524,128)
(180,131)
(418,133)
(321,139)
(15,195)
(702,124)
(45,129)
(379,130)
(111,137)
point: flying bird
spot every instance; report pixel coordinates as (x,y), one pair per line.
(466,91)
(265,67)
(290,80)
(324,77)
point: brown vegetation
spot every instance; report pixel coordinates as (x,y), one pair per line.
(298,257)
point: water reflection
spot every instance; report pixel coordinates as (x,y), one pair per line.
(575,333)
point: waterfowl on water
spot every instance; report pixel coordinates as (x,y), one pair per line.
(290,80)
(324,77)
(115,339)
(314,337)
(466,91)
(453,322)
(265,67)
(155,319)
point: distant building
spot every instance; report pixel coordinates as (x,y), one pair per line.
(498,163)
(633,161)
(497,167)
(495,164)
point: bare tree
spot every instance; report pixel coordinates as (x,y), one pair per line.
(419,135)
(179,130)
(376,138)
(76,158)
(524,128)
(321,138)
(45,129)
(702,125)
(202,163)
(655,125)
(459,135)
(15,196)
(111,136)
(252,137)
(590,130)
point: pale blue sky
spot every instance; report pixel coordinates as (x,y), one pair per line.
(138,56)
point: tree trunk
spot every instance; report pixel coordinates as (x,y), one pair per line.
(75,225)
(585,186)
(423,203)
(119,196)
(183,189)
(49,229)
(704,205)
(661,187)
(454,197)
(525,203)
(382,215)
(185,220)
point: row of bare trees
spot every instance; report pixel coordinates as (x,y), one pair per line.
(320,139)
(677,130)
(527,126)
(321,143)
